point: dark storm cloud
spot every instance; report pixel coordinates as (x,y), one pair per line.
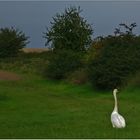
(33,16)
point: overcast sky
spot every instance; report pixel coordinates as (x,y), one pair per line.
(33,16)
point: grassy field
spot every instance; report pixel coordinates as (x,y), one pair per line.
(34,107)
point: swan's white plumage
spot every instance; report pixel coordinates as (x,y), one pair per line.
(117,120)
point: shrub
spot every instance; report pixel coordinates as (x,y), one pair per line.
(115,61)
(11,42)
(62,63)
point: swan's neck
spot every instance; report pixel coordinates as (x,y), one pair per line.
(116,103)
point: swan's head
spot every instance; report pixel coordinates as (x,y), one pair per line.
(115,90)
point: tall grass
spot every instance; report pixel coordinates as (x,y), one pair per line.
(26,63)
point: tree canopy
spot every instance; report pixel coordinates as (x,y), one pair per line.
(69,31)
(11,41)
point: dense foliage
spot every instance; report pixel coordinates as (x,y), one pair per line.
(11,41)
(62,63)
(69,31)
(115,61)
(70,37)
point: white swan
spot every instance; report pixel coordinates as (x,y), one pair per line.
(117,120)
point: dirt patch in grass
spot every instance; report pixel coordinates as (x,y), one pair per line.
(10,76)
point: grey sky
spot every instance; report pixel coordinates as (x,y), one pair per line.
(32,16)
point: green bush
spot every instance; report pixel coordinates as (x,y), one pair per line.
(62,63)
(115,61)
(11,42)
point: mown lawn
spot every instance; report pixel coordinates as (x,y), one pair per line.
(37,108)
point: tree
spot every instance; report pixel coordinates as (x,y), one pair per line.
(128,29)
(69,31)
(116,59)
(11,42)
(69,37)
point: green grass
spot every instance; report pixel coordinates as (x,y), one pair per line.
(39,108)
